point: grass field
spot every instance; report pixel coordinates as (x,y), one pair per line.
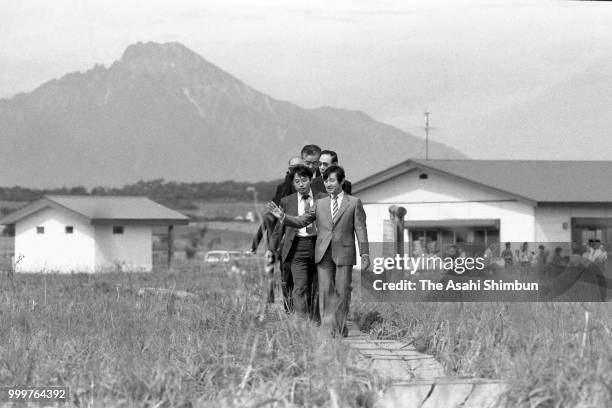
(94,334)
(112,347)
(553,354)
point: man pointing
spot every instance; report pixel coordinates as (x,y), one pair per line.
(339,217)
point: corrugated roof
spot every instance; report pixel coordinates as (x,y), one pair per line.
(101,208)
(542,181)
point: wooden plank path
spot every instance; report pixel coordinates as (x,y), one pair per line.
(417,380)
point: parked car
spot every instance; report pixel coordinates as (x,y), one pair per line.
(224,256)
(217,257)
(236,255)
(233,259)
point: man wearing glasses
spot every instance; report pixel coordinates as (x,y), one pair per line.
(298,245)
(338,218)
(328,158)
(267,226)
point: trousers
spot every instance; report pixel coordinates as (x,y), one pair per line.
(334,292)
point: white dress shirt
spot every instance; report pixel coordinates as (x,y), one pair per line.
(301,211)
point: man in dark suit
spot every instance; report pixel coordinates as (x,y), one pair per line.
(282,190)
(298,245)
(267,227)
(328,158)
(310,155)
(338,218)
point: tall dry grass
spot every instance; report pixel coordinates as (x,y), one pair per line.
(553,354)
(114,348)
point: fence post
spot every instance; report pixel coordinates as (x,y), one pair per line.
(170,244)
(397,216)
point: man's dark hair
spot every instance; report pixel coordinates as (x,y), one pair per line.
(301,171)
(310,150)
(334,155)
(334,169)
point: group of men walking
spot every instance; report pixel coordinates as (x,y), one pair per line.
(311,227)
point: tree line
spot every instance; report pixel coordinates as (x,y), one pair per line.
(167,192)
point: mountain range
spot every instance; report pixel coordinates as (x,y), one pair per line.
(163,111)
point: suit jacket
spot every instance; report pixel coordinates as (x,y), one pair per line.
(350,222)
(318,185)
(282,190)
(290,206)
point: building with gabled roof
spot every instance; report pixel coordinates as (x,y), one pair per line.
(479,202)
(88,233)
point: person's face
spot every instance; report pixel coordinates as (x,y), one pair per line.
(324,162)
(311,161)
(301,183)
(332,185)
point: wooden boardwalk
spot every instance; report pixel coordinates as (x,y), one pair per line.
(417,380)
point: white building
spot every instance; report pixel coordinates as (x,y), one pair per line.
(479,202)
(88,233)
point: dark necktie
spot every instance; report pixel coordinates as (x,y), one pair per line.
(310,229)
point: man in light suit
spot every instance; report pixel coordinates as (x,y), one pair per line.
(338,218)
(298,245)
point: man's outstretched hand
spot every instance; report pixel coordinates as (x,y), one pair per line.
(275,210)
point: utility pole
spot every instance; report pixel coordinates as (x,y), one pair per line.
(427,113)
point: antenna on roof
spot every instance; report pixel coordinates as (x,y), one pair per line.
(427,128)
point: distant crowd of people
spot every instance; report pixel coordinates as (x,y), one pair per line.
(593,251)
(311,228)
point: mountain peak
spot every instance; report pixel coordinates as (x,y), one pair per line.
(152,57)
(156,50)
(164,111)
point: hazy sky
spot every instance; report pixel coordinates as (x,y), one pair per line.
(503,79)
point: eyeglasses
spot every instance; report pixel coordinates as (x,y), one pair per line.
(311,163)
(301,181)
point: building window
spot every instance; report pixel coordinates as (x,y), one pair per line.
(423,176)
(117,229)
(69,229)
(40,230)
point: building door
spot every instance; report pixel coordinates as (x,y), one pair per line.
(424,241)
(585,229)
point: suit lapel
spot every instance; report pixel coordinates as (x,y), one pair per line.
(324,205)
(292,205)
(343,206)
